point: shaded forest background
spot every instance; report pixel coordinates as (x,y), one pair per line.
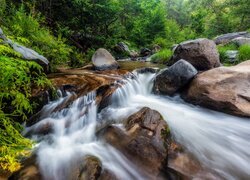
(69,31)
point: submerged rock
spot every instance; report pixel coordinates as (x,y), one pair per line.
(201,53)
(223,89)
(172,79)
(226,38)
(103,60)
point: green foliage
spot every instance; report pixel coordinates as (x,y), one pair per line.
(162,56)
(17,78)
(244,52)
(25,29)
(222,49)
(13,145)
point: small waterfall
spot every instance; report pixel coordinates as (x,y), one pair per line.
(73,138)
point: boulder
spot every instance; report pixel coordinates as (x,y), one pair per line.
(232,55)
(144,141)
(103,60)
(122,47)
(172,79)
(241,41)
(145,52)
(226,38)
(223,89)
(201,53)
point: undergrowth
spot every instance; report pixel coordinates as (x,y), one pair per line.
(162,57)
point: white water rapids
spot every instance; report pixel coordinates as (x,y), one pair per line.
(219,141)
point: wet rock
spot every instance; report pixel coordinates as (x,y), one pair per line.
(226,38)
(91,169)
(103,60)
(241,41)
(172,79)
(232,56)
(80,82)
(147,70)
(223,89)
(145,140)
(201,53)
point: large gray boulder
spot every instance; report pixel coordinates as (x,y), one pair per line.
(201,53)
(172,79)
(103,60)
(241,41)
(226,38)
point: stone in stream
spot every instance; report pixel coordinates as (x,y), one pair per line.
(103,60)
(224,89)
(145,141)
(201,53)
(172,79)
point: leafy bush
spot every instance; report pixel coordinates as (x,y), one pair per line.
(13,145)
(222,49)
(244,52)
(17,78)
(26,30)
(162,56)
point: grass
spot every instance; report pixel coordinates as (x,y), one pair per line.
(222,51)
(244,53)
(162,57)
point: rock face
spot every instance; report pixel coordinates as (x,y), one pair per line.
(201,53)
(241,41)
(144,142)
(170,80)
(103,60)
(225,89)
(226,38)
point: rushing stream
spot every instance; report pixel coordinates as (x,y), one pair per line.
(220,142)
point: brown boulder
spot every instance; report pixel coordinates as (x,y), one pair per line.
(201,53)
(223,89)
(144,141)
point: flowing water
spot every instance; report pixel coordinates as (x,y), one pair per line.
(220,142)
